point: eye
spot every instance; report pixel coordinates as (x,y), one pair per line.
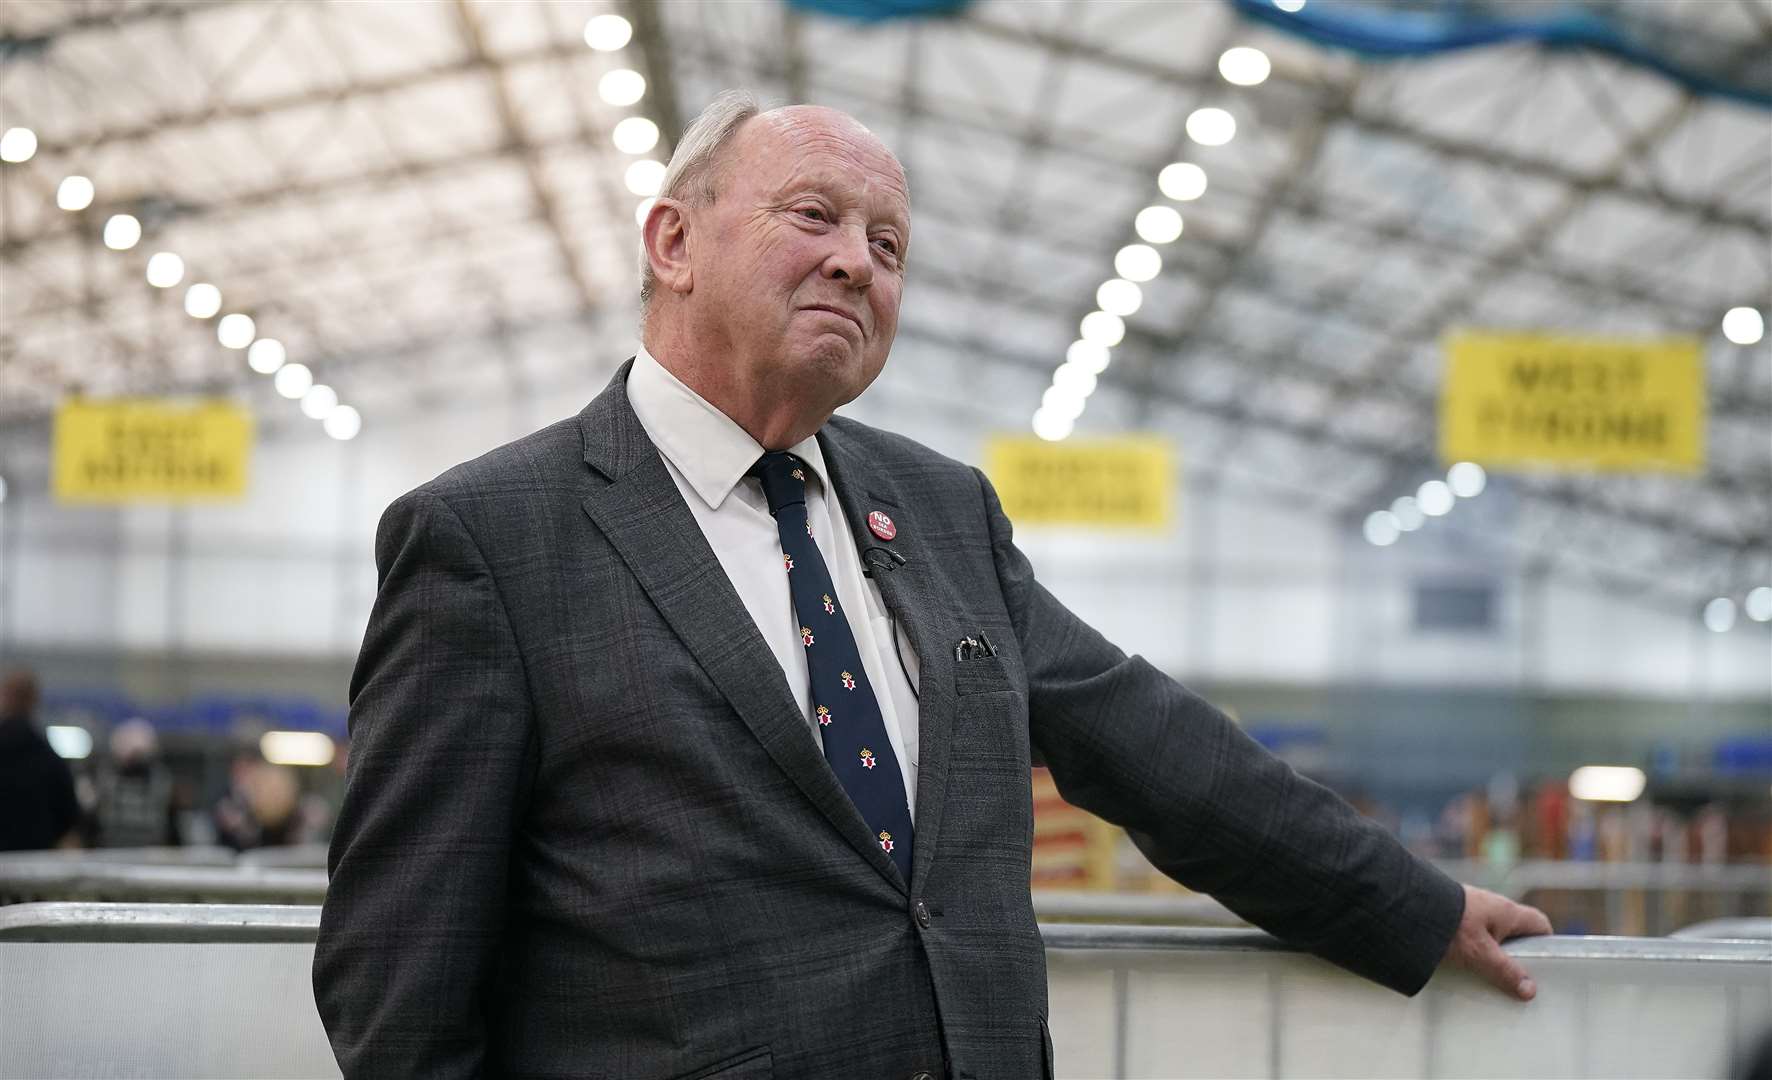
(813,213)
(887,244)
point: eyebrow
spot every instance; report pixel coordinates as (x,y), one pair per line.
(800,183)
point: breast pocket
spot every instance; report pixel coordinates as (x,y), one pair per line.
(985,675)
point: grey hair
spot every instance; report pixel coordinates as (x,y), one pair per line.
(692,175)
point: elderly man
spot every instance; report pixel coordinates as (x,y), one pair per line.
(691,735)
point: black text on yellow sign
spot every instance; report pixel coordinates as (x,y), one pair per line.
(151,451)
(1544,401)
(1104,483)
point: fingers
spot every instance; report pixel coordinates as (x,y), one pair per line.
(1489,920)
(1536,923)
(1519,920)
(1505,973)
(1506,919)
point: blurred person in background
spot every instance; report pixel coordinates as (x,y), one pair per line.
(37,804)
(594,823)
(262,806)
(1549,821)
(137,798)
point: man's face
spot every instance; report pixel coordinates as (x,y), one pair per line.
(805,268)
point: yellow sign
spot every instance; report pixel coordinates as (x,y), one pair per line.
(1573,403)
(142,450)
(1125,482)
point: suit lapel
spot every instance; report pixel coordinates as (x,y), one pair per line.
(911,595)
(636,504)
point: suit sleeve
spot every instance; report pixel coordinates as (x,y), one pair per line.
(441,750)
(1209,806)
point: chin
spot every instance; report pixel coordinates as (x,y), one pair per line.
(829,358)
(841,366)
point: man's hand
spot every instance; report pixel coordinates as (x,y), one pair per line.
(1490,919)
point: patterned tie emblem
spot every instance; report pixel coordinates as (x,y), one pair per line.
(856,748)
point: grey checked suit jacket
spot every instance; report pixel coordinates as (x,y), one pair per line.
(586,832)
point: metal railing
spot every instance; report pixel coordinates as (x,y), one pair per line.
(114,876)
(95,989)
(298,875)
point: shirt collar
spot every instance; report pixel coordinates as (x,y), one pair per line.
(708,447)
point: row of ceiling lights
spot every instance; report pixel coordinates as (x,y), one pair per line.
(1120,296)
(633,135)
(1466,480)
(1435,498)
(623,88)
(1719,613)
(235,330)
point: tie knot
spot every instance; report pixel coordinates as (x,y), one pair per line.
(784,479)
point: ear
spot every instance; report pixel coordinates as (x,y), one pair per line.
(666,235)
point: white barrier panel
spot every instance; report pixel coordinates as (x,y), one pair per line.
(1149,1002)
(196,991)
(210,991)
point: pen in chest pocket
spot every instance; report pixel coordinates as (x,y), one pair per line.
(974,648)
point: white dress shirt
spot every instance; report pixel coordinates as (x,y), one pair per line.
(708,454)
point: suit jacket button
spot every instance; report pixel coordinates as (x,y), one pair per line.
(922,912)
(923,1076)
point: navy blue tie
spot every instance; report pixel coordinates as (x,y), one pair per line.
(849,721)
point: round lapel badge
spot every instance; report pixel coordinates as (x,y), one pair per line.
(882,526)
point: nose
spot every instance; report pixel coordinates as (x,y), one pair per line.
(850,261)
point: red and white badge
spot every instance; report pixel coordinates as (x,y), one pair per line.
(881,525)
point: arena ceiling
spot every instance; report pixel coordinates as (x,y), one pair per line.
(422,201)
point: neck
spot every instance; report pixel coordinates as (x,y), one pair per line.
(776,420)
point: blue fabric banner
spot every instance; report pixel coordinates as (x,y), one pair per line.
(1739,68)
(880,10)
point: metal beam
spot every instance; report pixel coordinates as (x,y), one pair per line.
(793,53)
(474,39)
(15,47)
(1306,148)
(1375,123)
(655,47)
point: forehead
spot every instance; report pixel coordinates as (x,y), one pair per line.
(787,153)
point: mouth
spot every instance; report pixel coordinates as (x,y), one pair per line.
(839,312)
